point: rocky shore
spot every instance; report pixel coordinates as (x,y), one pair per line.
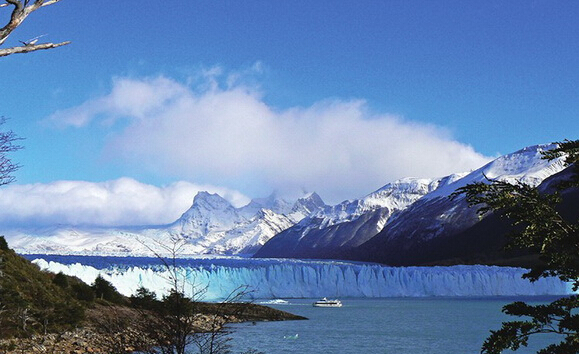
(118,329)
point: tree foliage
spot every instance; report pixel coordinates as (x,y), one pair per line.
(144,299)
(104,290)
(558,317)
(539,225)
(30,301)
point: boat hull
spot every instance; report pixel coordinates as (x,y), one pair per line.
(327,305)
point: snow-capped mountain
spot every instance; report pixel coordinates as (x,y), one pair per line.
(409,221)
(526,165)
(413,212)
(213,224)
(348,224)
(393,196)
(438,228)
(210,226)
(210,214)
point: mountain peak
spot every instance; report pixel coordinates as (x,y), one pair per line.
(209,211)
(272,202)
(402,187)
(210,201)
(311,196)
(525,165)
(308,204)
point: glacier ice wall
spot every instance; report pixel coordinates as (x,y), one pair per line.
(269,279)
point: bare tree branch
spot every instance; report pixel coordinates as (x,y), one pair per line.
(20,11)
(49,2)
(30,48)
(8,144)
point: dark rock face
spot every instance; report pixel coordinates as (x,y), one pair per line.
(425,222)
(309,239)
(450,242)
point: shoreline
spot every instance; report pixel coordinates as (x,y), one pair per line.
(113,328)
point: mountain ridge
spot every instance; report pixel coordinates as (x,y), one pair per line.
(408,210)
(431,216)
(210,225)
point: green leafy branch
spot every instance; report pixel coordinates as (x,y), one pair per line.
(557,317)
(539,226)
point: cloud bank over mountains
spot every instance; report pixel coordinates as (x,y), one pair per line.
(218,132)
(222,135)
(119,202)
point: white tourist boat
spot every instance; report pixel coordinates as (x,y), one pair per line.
(328,303)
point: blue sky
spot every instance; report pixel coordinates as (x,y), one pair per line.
(244,97)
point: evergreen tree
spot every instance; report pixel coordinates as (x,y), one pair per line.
(3,244)
(144,299)
(543,227)
(82,291)
(104,290)
(61,280)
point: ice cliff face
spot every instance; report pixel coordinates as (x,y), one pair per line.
(271,279)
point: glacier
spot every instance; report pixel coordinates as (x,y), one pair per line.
(291,278)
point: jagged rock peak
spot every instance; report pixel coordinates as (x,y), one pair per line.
(209,208)
(272,202)
(407,189)
(211,201)
(309,203)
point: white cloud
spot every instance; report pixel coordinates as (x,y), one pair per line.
(113,203)
(222,135)
(134,99)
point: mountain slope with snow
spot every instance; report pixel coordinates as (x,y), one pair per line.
(430,229)
(402,215)
(404,222)
(338,228)
(211,226)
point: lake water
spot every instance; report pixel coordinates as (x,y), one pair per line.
(379,326)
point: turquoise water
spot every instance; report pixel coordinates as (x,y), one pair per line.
(380,326)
